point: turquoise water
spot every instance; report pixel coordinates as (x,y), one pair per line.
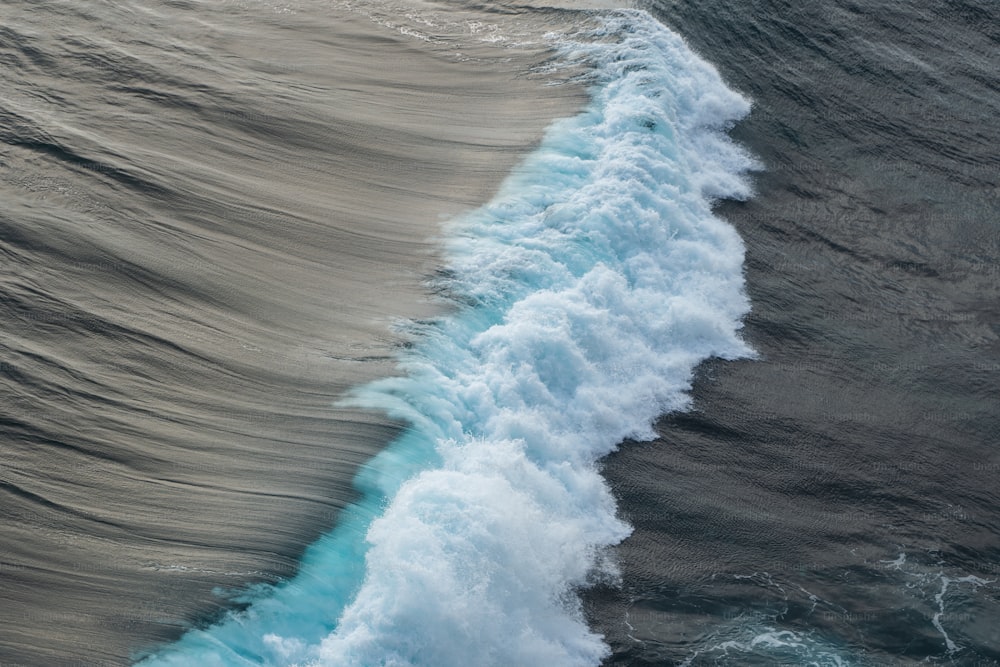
(586,293)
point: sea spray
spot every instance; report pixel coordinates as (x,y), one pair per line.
(586,293)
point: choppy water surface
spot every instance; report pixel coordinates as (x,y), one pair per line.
(836,500)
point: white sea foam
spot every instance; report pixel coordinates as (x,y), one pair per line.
(592,285)
(752,643)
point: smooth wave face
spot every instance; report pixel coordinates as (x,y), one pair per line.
(586,293)
(204,243)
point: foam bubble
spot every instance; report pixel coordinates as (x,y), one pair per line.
(593,284)
(753,643)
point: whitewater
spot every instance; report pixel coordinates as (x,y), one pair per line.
(583,297)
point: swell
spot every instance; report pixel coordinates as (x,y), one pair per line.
(584,295)
(203,249)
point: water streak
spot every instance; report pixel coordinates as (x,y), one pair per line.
(588,290)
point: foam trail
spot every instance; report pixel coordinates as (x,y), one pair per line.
(590,288)
(750,642)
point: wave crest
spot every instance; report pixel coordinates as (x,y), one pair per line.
(594,283)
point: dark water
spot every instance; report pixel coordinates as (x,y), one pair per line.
(846,485)
(211,214)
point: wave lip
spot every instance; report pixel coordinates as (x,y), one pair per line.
(588,291)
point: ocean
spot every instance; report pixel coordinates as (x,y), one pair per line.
(507,334)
